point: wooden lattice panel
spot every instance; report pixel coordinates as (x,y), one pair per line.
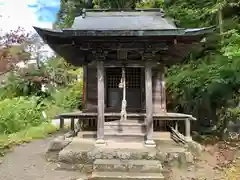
(113,77)
(133,77)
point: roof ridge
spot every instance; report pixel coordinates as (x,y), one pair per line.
(125,10)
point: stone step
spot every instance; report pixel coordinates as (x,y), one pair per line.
(118,165)
(125,130)
(129,126)
(124,136)
(85,151)
(127,122)
(166,136)
(126,176)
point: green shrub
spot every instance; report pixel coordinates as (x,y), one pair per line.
(19,113)
(17,85)
(69,98)
(51,109)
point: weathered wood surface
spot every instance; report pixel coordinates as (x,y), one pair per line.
(159,95)
(149,101)
(101,103)
(161,116)
(177,137)
(91,92)
(91,101)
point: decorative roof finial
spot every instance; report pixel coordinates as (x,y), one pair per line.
(83,13)
(162,13)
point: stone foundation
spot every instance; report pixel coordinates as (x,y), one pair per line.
(81,154)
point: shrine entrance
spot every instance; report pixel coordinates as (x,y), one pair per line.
(134,89)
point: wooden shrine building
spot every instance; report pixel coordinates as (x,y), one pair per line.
(123,54)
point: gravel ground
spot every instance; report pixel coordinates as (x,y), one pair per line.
(27,162)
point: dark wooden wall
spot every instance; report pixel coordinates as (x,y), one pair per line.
(91,88)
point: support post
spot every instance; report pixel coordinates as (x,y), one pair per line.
(162,89)
(149,105)
(159,90)
(61,123)
(84,95)
(72,124)
(188,130)
(101,103)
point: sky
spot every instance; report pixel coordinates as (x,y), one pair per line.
(27,13)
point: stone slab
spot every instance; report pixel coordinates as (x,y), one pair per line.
(83,168)
(126,176)
(84,151)
(118,165)
(157,136)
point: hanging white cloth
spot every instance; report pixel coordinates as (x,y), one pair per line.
(124,101)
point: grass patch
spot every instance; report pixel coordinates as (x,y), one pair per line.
(27,135)
(232,172)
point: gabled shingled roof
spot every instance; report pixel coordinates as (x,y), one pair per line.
(122,21)
(116,25)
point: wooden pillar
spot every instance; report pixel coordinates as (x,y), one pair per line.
(188,130)
(84,95)
(72,124)
(101,103)
(162,89)
(61,123)
(149,105)
(159,95)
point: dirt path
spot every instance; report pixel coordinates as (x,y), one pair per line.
(27,162)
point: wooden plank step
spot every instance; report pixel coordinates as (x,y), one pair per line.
(126,123)
(126,176)
(124,136)
(118,165)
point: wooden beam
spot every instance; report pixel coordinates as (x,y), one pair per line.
(101,103)
(149,105)
(130,63)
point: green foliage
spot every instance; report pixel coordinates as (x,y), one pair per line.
(19,113)
(17,85)
(205,88)
(26,135)
(69,98)
(59,71)
(150,4)
(231,44)
(68,10)
(116,4)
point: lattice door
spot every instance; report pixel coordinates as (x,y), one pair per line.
(133,91)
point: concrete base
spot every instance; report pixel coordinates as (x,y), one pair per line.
(111,160)
(85,151)
(126,176)
(188,138)
(134,166)
(150,143)
(100,142)
(162,136)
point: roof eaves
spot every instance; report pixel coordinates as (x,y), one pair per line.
(161,32)
(199,31)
